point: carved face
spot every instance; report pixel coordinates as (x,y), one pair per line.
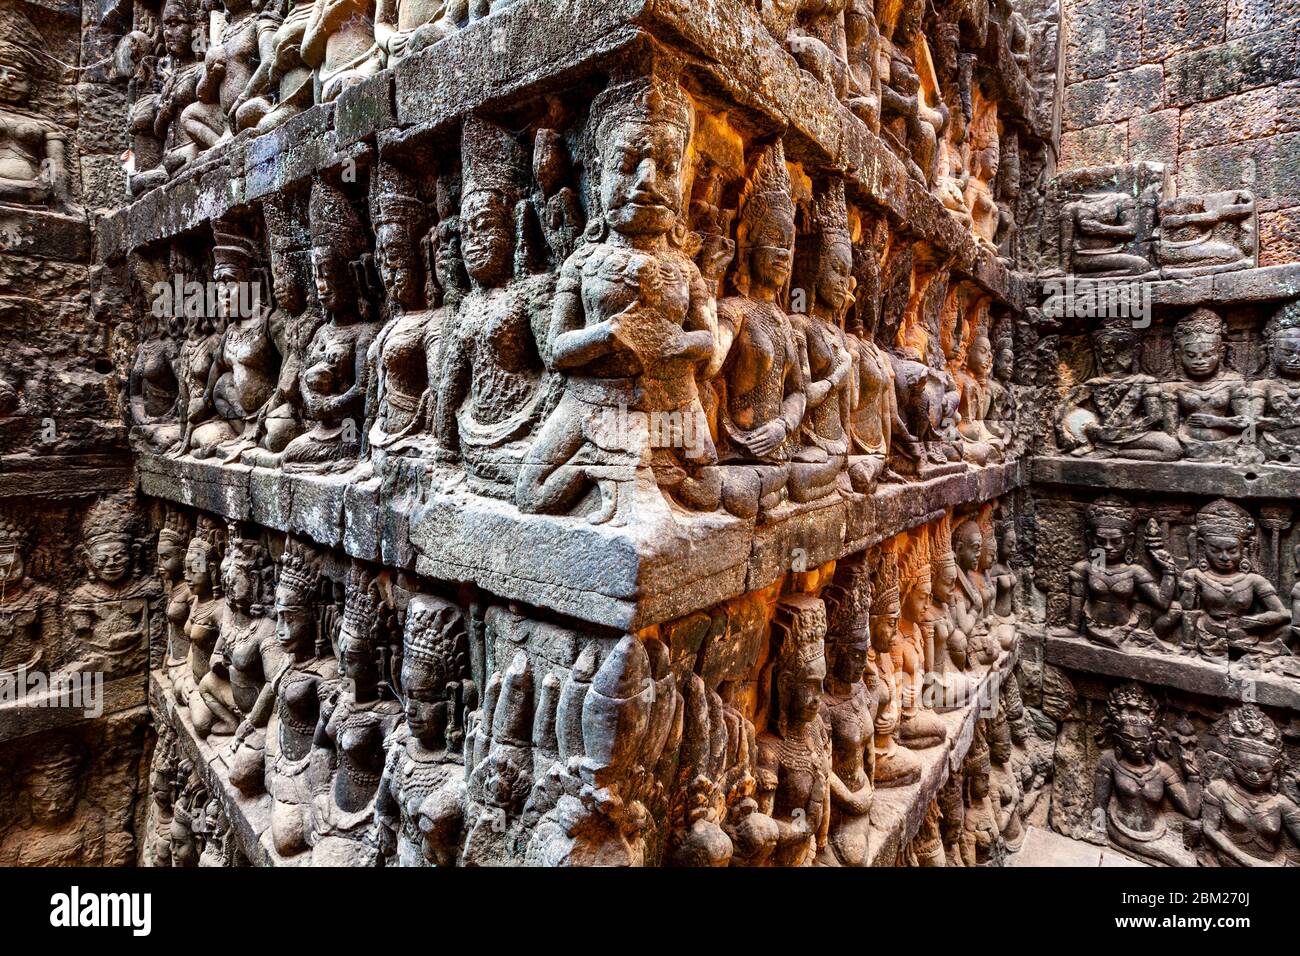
(109,559)
(288,293)
(835,282)
(1254,771)
(52,791)
(1286,353)
(1224,553)
(1200,356)
(293,625)
(945,581)
(641,178)
(1007,543)
(967,545)
(447,259)
(356,661)
(396,263)
(198,575)
(178,32)
(980,358)
(12,565)
(805,692)
(1004,364)
(171,560)
(14,82)
(849,661)
(487,236)
(185,851)
(884,625)
(425,706)
(772,253)
(1114,542)
(916,599)
(331,277)
(1136,741)
(1114,354)
(239,581)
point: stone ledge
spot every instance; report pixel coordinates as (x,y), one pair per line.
(1242,287)
(1233,682)
(430,91)
(1174,477)
(39,713)
(62,476)
(627,578)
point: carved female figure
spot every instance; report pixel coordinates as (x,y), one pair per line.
(289,704)
(955,626)
(794,757)
(1210,409)
(161,112)
(108,615)
(1245,819)
(212,702)
(1278,395)
(339,44)
(419,807)
(405,354)
(632,326)
(761,386)
(1004,579)
(228,65)
(1113,598)
(492,391)
(152,387)
(333,379)
(245,365)
(979,442)
(58,828)
(173,542)
(28,626)
(827,382)
(969,607)
(905,593)
(1226,608)
(849,712)
(404,27)
(985,153)
(1118,413)
(282,86)
(32,165)
(1133,781)
(893,766)
(348,748)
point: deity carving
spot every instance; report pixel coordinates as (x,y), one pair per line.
(1210,409)
(980,442)
(632,327)
(173,542)
(981,840)
(33,169)
(761,396)
(229,63)
(1118,413)
(1106,234)
(492,390)
(985,153)
(282,85)
(332,381)
(1226,608)
(1246,818)
(795,754)
(420,804)
(1215,232)
(953,622)
(405,27)
(210,698)
(58,827)
(1113,599)
(29,628)
(1277,396)
(339,45)
(1136,778)
(108,617)
(347,759)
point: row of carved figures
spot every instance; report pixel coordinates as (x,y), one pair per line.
(1209,413)
(1169,796)
(385,724)
(1214,604)
(104,624)
(906,71)
(622,357)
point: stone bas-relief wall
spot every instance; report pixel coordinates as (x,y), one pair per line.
(651,434)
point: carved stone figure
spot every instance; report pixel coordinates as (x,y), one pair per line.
(29,629)
(405,27)
(339,45)
(420,804)
(1277,402)
(1134,781)
(1226,608)
(33,167)
(794,755)
(1210,409)
(1215,232)
(899,664)
(211,699)
(59,827)
(761,396)
(107,618)
(159,113)
(492,391)
(282,85)
(1119,412)
(173,543)
(229,63)
(333,377)
(633,324)
(1245,819)
(1113,599)
(985,153)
